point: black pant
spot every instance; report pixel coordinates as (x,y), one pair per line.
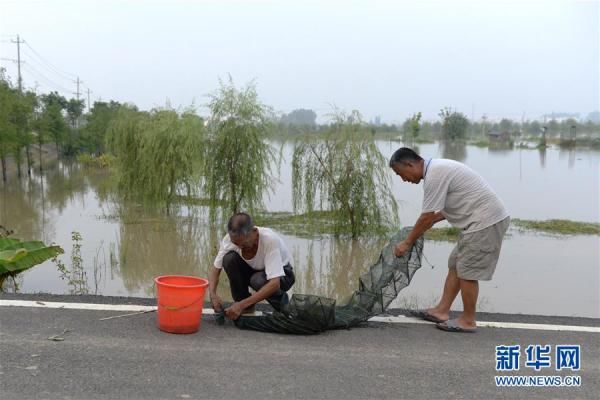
(241,275)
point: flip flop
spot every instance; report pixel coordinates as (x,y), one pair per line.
(423,314)
(452,326)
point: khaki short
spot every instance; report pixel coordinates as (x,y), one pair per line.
(476,254)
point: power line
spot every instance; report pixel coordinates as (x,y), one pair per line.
(49,82)
(58,70)
(31,59)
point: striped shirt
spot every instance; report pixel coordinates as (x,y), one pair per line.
(461,195)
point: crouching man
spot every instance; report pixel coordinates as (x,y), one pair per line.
(253,257)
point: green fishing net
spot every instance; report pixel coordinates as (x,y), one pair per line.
(377,288)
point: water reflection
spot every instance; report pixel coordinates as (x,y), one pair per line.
(21,209)
(331,267)
(125,247)
(569,153)
(150,247)
(542,151)
(453,150)
(70,181)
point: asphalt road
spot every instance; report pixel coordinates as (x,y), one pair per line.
(129,358)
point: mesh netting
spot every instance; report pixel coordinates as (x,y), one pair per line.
(377,288)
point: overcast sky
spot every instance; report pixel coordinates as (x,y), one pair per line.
(387,58)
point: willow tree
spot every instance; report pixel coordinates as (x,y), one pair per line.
(344,173)
(159,154)
(237,163)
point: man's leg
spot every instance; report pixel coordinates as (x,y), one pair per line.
(239,274)
(469,291)
(451,289)
(478,261)
(280,298)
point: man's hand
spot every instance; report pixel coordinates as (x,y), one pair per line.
(217,304)
(234,311)
(401,248)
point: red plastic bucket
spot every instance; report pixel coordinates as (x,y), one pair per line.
(180,300)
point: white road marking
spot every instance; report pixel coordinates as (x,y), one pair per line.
(209,311)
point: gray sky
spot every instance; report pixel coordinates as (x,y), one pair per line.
(388,58)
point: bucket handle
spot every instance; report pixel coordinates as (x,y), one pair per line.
(172,308)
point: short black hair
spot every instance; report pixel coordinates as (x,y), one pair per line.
(404,154)
(240,224)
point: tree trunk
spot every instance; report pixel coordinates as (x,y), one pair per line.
(40,155)
(234,200)
(28,161)
(3,159)
(18,162)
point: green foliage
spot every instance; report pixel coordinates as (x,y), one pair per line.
(158,154)
(24,105)
(102,161)
(346,174)
(8,130)
(237,163)
(300,117)
(17,256)
(309,225)
(414,125)
(560,226)
(443,234)
(52,121)
(93,134)
(454,124)
(74,111)
(76,276)
(16,122)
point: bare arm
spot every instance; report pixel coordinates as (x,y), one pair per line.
(213,282)
(424,223)
(236,309)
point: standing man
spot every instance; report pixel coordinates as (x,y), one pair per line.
(252,257)
(454,192)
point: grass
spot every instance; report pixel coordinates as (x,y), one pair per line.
(554,226)
(307,225)
(560,226)
(101,161)
(481,142)
(319,223)
(442,234)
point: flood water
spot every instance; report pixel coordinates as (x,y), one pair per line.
(123,248)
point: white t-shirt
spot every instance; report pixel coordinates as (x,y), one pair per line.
(461,195)
(272,254)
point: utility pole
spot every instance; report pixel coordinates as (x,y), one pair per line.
(18,42)
(19,128)
(77,93)
(89,104)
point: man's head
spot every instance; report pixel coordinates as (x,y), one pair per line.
(242,231)
(407,164)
